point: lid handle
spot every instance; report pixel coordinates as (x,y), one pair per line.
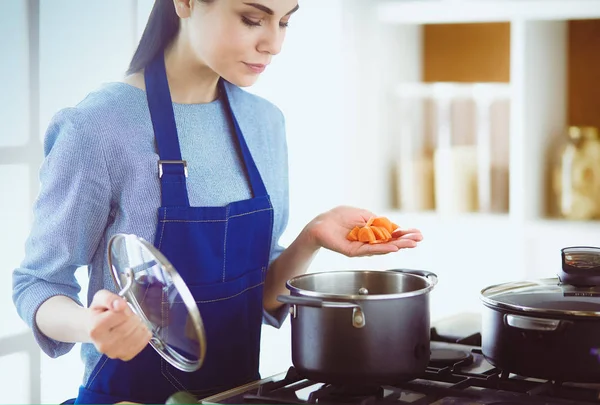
(580,266)
(128,273)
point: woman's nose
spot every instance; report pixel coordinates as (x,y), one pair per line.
(272,41)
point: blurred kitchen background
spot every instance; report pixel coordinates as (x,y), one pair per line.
(473,121)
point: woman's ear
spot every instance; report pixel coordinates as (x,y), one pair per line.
(183,8)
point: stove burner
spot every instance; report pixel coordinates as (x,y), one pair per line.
(449,357)
(456,375)
(339,393)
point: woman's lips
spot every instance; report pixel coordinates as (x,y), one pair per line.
(255,67)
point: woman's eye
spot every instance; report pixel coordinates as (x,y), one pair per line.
(257,23)
(250,23)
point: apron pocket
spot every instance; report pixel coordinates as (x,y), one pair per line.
(232,317)
(221,292)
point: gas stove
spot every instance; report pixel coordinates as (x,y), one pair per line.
(457,374)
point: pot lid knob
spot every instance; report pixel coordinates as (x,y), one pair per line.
(580,266)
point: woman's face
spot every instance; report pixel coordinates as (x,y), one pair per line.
(235,38)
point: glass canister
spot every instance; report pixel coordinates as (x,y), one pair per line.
(576,176)
(492,102)
(455,156)
(414,165)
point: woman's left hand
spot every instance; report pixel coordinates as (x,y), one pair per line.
(330,229)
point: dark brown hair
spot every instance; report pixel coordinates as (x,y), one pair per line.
(160,31)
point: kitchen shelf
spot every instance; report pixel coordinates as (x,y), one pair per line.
(553,227)
(535,227)
(553,84)
(457,11)
(425,220)
(469,65)
(548,72)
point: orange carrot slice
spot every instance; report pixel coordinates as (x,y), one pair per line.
(379,235)
(387,235)
(353,235)
(383,222)
(366,234)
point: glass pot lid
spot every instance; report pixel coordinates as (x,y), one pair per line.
(575,292)
(158,294)
(546,296)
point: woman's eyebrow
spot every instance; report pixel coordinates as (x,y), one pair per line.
(267,10)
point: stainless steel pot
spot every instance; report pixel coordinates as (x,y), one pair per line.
(360,327)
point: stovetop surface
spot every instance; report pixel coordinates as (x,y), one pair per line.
(458,374)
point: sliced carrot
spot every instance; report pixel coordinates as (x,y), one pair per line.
(383,222)
(387,235)
(379,235)
(376,230)
(366,234)
(353,235)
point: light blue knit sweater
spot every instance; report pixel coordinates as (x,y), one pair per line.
(100,177)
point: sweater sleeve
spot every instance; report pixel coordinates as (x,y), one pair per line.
(69,219)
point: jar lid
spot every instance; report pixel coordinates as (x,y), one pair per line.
(155,292)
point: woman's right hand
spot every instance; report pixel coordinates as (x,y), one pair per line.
(113,327)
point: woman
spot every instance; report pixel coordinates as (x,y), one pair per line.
(178,136)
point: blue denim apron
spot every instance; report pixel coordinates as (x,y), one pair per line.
(222,253)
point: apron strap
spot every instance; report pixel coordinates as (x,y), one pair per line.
(256,182)
(172,170)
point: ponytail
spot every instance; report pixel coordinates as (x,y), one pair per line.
(160,31)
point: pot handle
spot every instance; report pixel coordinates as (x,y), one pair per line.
(314,302)
(529,323)
(423,273)
(358,316)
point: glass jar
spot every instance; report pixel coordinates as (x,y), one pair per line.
(492,102)
(455,156)
(414,164)
(576,178)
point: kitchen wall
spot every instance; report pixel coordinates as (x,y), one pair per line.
(335,82)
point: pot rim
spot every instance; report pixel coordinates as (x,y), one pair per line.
(495,304)
(358,297)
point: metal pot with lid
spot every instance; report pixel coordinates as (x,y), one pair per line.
(549,328)
(360,327)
